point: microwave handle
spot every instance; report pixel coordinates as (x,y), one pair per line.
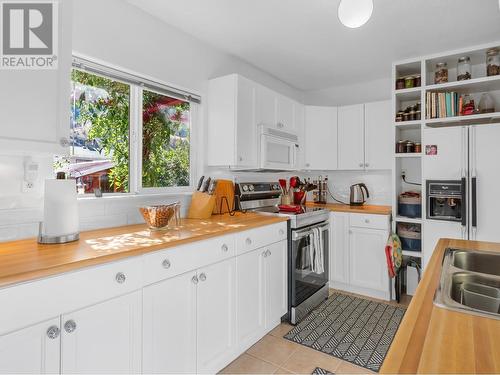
(464,201)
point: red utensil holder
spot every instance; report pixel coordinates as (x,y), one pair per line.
(299,197)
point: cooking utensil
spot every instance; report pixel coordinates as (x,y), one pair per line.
(200,183)
(283,186)
(212,187)
(206,185)
(293,182)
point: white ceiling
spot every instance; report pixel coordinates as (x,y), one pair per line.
(302,42)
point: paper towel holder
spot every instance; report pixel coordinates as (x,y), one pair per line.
(44,239)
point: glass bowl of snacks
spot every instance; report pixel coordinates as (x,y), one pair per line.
(158,217)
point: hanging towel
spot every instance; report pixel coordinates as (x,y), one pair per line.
(316,253)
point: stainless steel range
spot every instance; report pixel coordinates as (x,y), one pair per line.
(308,242)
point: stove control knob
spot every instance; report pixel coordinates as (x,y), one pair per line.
(245,187)
(251,187)
(275,187)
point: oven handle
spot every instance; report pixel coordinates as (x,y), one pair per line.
(305,232)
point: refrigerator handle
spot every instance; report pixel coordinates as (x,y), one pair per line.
(464,202)
(474,206)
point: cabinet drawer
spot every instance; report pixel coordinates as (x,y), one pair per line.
(369,221)
(39,300)
(167,263)
(258,237)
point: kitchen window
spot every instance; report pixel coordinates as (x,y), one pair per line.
(128,134)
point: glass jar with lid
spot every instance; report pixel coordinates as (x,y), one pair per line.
(493,62)
(464,69)
(441,74)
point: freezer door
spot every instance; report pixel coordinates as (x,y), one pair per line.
(447,159)
(485,169)
(434,230)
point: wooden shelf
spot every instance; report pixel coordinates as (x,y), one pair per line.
(474,85)
(483,118)
(415,254)
(409,155)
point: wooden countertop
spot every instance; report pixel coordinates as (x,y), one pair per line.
(431,339)
(26,260)
(364,209)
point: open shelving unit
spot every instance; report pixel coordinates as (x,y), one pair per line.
(413,165)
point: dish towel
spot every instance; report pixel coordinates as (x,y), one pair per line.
(316,253)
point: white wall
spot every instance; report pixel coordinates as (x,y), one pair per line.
(121,34)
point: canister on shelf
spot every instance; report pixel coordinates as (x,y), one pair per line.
(417,80)
(406,116)
(418,147)
(413,115)
(493,62)
(464,69)
(400,83)
(418,115)
(409,82)
(410,147)
(441,74)
(401,147)
(399,116)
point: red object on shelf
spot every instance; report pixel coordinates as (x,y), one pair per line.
(290,208)
(299,197)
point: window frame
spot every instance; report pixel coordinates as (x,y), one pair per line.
(135,124)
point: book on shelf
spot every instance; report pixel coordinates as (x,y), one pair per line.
(443,104)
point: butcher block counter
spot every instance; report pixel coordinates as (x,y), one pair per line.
(364,209)
(431,339)
(26,260)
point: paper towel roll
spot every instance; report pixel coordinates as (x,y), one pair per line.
(60,208)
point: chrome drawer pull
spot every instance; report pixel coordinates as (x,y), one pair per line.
(70,326)
(166,264)
(53,332)
(120,277)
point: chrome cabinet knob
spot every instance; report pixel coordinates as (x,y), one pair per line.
(264,254)
(280,125)
(248,241)
(350,231)
(361,165)
(53,332)
(166,264)
(240,158)
(203,277)
(64,142)
(367,221)
(367,165)
(281,232)
(194,279)
(120,277)
(70,326)
(224,248)
(268,253)
(308,165)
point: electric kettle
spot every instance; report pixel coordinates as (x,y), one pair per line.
(359,193)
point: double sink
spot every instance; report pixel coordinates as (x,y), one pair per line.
(470,282)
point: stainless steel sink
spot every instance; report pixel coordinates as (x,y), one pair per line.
(470,282)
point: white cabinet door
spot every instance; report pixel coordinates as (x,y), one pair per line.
(216,316)
(246,132)
(265,107)
(35,104)
(250,298)
(104,338)
(31,350)
(351,137)
(320,135)
(169,325)
(450,154)
(339,248)
(276,283)
(285,112)
(379,145)
(367,262)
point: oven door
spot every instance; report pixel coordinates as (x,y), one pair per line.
(306,278)
(278,153)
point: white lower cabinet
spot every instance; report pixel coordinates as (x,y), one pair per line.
(104,338)
(169,325)
(357,254)
(31,350)
(261,292)
(216,316)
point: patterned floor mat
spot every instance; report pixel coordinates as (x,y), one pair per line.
(353,329)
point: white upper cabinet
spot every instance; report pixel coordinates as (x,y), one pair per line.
(351,137)
(232,130)
(35,104)
(378,141)
(265,107)
(286,114)
(320,138)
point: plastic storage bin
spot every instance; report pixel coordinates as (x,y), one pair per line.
(410,236)
(410,206)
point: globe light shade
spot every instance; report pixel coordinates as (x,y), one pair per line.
(355,13)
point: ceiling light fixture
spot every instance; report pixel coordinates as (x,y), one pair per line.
(355,13)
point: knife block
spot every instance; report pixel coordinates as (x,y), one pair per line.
(202,205)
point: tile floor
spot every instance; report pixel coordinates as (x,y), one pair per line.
(275,355)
